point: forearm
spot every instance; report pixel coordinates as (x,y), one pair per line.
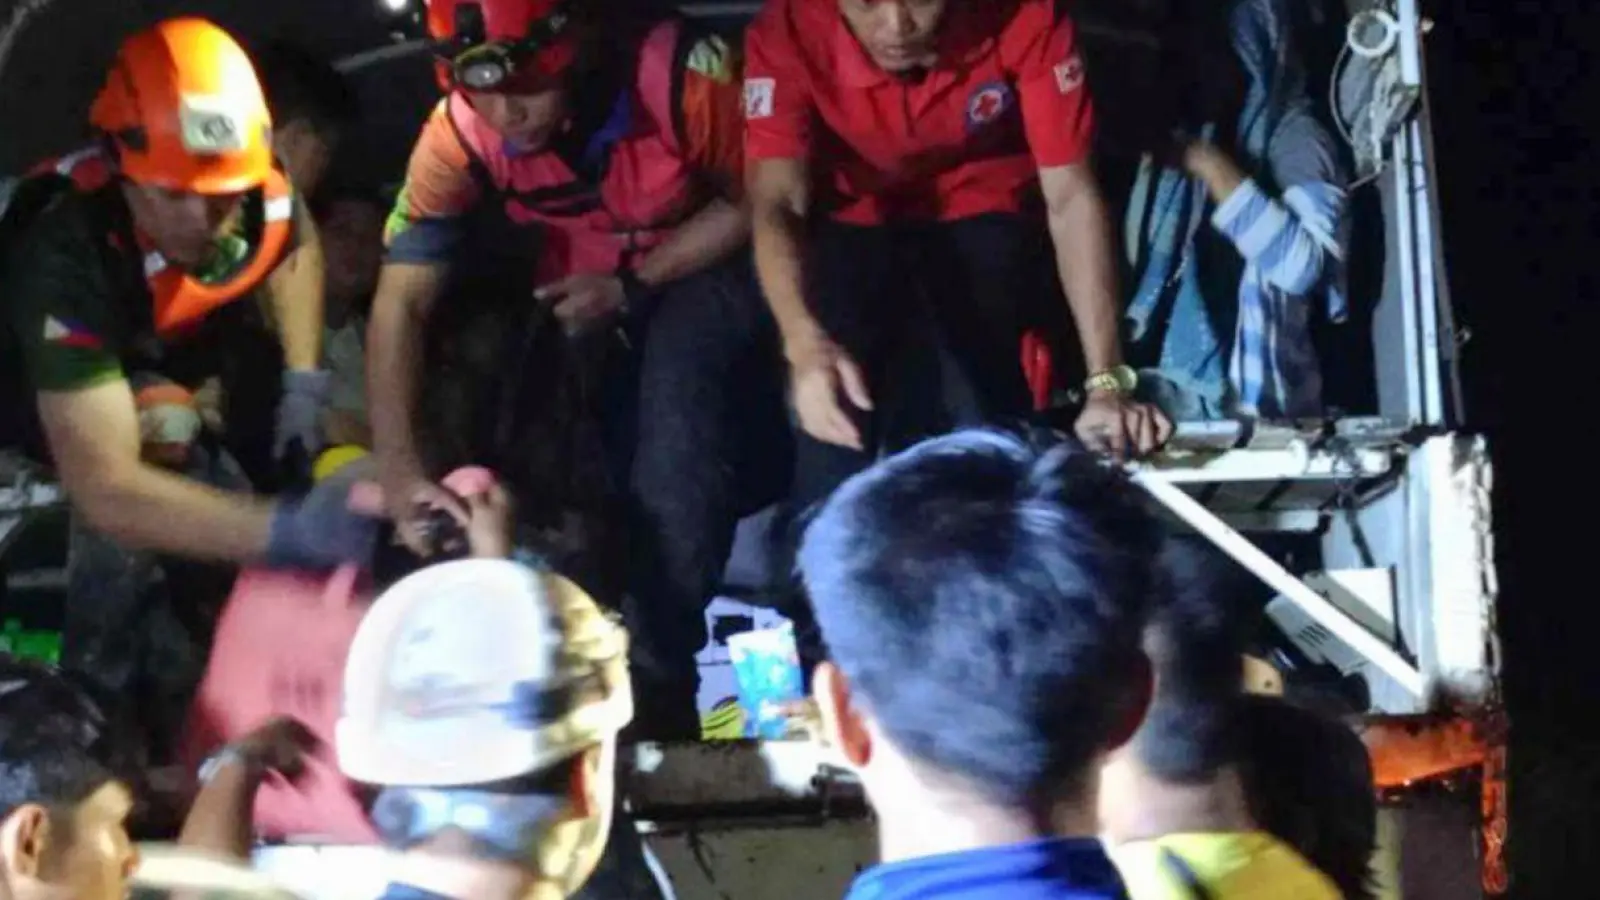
(708,237)
(220,819)
(780,268)
(1080,231)
(295,291)
(144,507)
(1293,242)
(394,355)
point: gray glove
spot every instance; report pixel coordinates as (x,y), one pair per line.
(320,531)
(300,412)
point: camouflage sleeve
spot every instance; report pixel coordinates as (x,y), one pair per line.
(60,305)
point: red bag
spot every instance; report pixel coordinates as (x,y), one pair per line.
(280,649)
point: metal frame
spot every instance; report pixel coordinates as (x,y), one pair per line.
(1313,604)
(1418,250)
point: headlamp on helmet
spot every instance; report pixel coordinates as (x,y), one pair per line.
(477,63)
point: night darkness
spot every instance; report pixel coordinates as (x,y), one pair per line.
(1514,104)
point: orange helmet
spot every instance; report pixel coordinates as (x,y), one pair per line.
(184,108)
(489,45)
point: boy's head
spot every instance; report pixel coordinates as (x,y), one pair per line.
(1195,639)
(981,596)
(63,811)
(1308,782)
(485,698)
(313,107)
(350,223)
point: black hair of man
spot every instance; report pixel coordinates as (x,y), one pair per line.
(1308,782)
(1196,640)
(57,747)
(982,593)
(302,87)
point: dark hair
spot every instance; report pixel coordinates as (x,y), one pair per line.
(57,746)
(1308,782)
(1196,640)
(1204,79)
(335,192)
(302,87)
(983,592)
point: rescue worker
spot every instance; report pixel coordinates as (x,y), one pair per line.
(618,149)
(111,257)
(493,737)
(907,160)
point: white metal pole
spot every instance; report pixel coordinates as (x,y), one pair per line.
(1279,579)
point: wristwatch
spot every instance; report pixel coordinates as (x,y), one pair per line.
(1117,380)
(215,762)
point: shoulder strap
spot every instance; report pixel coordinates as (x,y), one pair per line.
(573,198)
(475,163)
(660,77)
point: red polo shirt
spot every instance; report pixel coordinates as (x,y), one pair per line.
(1006,98)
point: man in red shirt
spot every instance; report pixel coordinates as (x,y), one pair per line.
(906,159)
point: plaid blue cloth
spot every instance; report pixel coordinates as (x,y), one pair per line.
(1293,247)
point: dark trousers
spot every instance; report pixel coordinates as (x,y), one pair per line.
(137,625)
(710,444)
(933,313)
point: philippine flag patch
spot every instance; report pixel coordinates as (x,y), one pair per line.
(69,334)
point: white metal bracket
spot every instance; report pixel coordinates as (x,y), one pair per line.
(1313,604)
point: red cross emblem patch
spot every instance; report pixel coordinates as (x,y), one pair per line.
(1069,74)
(989,102)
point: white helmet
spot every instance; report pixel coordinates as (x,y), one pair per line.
(476,671)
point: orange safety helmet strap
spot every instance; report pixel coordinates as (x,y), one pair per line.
(182,299)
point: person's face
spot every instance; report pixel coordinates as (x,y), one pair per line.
(563,853)
(305,154)
(527,121)
(352,246)
(95,861)
(897,34)
(182,225)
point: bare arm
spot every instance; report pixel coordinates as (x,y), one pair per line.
(780,200)
(1080,230)
(709,236)
(295,294)
(220,818)
(405,296)
(94,437)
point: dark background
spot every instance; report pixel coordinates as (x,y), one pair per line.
(1514,95)
(1514,100)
